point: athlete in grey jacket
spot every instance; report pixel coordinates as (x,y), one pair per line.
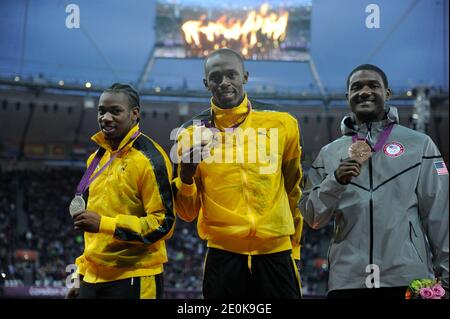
(389,204)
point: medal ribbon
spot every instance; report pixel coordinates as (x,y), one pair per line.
(383,138)
(210,123)
(86,180)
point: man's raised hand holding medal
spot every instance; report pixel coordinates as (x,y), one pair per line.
(200,149)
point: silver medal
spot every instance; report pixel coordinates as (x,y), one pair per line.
(77,205)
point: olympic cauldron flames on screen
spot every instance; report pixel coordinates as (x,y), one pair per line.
(258,30)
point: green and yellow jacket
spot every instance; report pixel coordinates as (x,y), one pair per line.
(246,204)
(133,196)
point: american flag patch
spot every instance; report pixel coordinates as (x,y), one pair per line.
(440,167)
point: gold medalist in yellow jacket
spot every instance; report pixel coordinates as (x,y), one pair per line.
(247,187)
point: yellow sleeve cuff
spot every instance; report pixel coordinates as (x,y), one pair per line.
(81,266)
(185,189)
(296,252)
(107,225)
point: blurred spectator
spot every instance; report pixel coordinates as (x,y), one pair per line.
(7,224)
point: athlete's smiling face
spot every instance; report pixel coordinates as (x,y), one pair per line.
(225,78)
(115,116)
(366,95)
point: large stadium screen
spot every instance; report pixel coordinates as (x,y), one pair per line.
(259,30)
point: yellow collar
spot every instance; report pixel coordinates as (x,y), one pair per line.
(99,138)
(225,118)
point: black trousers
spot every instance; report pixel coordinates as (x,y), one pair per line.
(373,293)
(228,275)
(129,288)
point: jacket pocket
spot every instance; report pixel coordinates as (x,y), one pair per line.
(411,232)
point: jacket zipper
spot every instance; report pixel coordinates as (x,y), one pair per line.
(245,192)
(247,199)
(371,213)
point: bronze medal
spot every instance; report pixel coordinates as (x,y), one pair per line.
(360,151)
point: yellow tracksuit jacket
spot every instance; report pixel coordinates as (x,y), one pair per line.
(134,198)
(239,208)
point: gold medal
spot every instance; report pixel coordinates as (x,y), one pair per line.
(360,151)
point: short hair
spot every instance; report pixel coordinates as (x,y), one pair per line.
(226,51)
(370,67)
(128,90)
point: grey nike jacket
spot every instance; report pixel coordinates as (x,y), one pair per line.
(394,215)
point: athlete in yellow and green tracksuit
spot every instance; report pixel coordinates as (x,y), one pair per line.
(129,212)
(252,211)
(247,209)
